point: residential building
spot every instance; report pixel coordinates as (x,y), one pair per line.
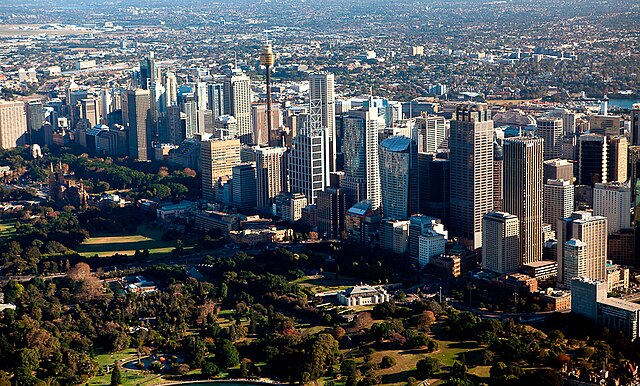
(501,242)
(559,201)
(613,201)
(217,159)
(13,124)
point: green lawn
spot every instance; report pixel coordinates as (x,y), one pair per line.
(7,228)
(326,282)
(105,245)
(129,377)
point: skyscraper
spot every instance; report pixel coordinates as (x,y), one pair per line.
(267,59)
(148,71)
(217,159)
(551,130)
(309,163)
(171,88)
(215,103)
(617,158)
(362,173)
(331,209)
(557,169)
(559,201)
(588,256)
(431,133)
(471,146)
(434,186)
(523,157)
(135,119)
(35,117)
(592,161)
(399,177)
(261,134)
(322,89)
(244,186)
(237,103)
(635,125)
(501,242)
(270,175)
(13,124)
(613,201)
(498,161)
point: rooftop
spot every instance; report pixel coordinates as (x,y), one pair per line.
(619,303)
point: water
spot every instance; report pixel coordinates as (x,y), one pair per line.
(623,103)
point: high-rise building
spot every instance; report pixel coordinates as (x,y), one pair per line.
(551,130)
(613,201)
(35,119)
(500,242)
(270,175)
(635,125)
(331,209)
(322,89)
(559,201)
(176,126)
(434,186)
(617,158)
(394,236)
(308,167)
(136,106)
(13,124)
(522,193)
(90,110)
(399,177)
(171,88)
(431,133)
(592,162)
(244,186)
(557,169)
(498,163)
(215,102)
(588,256)
(471,146)
(261,135)
(427,238)
(237,103)
(217,159)
(361,160)
(148,71)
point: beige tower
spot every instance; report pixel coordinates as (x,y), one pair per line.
(471,145)
(523,158)
(217,159)
(500,242)
(559,201)
(586,258)
(550,129)
(617,158)
(270,175)
(13,124)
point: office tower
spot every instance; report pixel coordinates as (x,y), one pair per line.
(321,88)
(550,129)
(226,127)
(13,124)
(202,95)
(331,209)
(309,163)
(434,186)
(399,177)
(617,158)
(500,242)
(498,161)
(585,258)
(215,102)
(559,201)
(635,125)
(176,126)
(608,125)
(171,88)
(522,193)
(471,146)
(592,161)
(361,160)
(90,110)
(148,71)
(557,169)
(135,119)
(244,186)
(270,175)
(431,133)
(613,201)
(394,236)
(261,134)
(35,118)
(427,238)
(267,59)
(189,106)
(237,103)
(570,147)
(217,159)
(586,295)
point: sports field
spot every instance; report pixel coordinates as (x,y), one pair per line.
(105,245)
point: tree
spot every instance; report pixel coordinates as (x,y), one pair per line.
(116,376)
(4,379)
(209,369)
(427,367)
(227,355)
(387,362)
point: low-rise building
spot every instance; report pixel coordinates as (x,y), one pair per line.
(363,295)
(556,300)
(617,278)
(181,209)
(446,265)
(541,270)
